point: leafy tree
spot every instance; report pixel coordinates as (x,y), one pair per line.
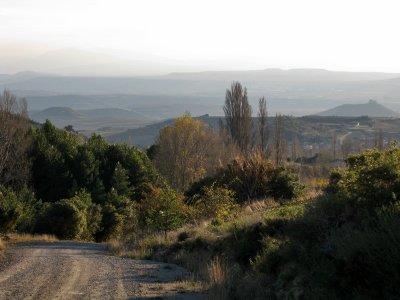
(86,172)
(140,170)
(186,151)
(52,156)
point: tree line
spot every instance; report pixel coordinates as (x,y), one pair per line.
(188,150)
(59,182)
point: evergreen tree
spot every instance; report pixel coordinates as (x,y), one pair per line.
(120,181)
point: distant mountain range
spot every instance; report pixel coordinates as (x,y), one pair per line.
(371,109)
(75,62)
(293,92)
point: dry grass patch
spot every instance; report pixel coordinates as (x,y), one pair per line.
(259,205)
(13,238)
(25,237)
(216,271)
(180,287)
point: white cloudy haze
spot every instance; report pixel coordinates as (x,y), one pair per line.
(159,36)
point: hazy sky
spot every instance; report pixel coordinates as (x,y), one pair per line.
(355,35)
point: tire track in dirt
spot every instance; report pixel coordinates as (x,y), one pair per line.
(71,270)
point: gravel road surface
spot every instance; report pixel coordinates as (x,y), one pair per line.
(71,270)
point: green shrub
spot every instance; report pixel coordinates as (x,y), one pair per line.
(161,210)
(64,220)
(73,218)
(370,180)
(11,210)
(32,210)
(216,203)
(288,213)
(284,184)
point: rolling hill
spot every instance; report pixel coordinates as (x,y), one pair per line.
(101,120)
(56,113)
(371,109)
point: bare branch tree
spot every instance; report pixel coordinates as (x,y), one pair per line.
(263,133)
(279,142)
(238,116)
(346,146)
(297,148)
(379,140)
(14,168)
(334,142)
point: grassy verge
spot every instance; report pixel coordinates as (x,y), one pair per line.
(25,237)
(222,257)
(13,238)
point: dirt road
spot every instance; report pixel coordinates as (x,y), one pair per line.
(70,270)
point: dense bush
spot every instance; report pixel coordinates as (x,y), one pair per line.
(32,210)
(217,204)
(251,178)
(119,217)
(346,245)
(11,210)
(284,184)
(371,179)
(73,218)
(18,211)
